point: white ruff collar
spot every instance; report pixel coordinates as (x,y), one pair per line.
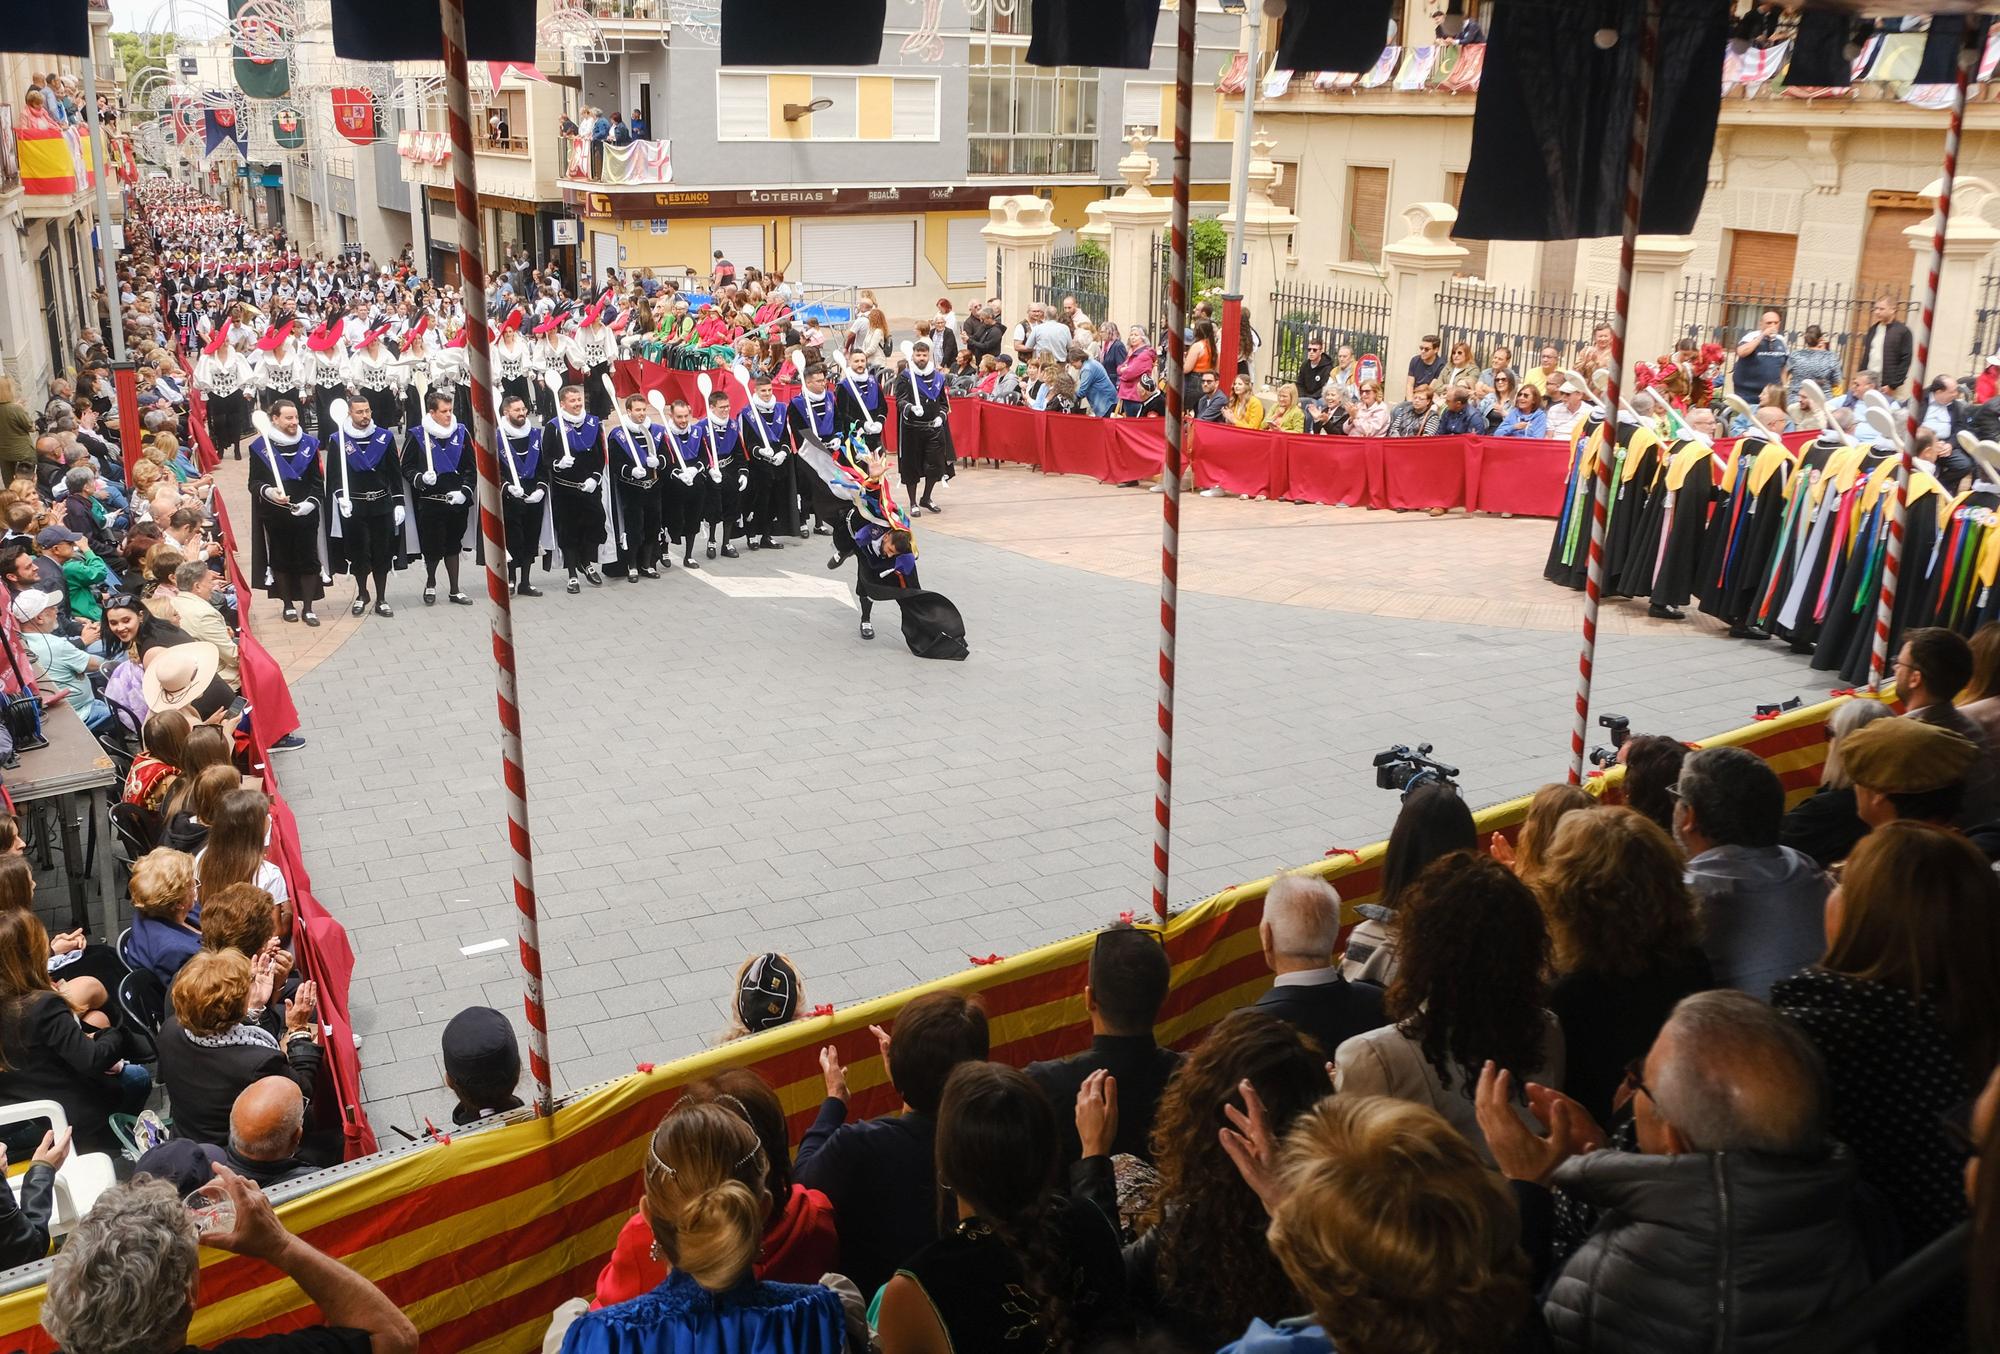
(278,438)
(570,421)
(441,431)
(358,434)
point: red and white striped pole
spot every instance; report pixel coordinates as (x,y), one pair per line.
(1170,469)
(493,531)
(1892,562)
(1635,192)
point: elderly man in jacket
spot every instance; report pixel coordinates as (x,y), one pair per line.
(1731,1227)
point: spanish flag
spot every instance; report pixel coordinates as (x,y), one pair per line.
(48,167)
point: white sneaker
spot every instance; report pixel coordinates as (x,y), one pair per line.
(1215,491)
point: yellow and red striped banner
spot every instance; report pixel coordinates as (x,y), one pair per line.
(480,1237)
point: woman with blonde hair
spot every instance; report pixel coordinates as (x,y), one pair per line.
(1545,810)
(1825,826)
(1287,415)
(1391,1227)
(1624,940)
(706,1199)
(17,432)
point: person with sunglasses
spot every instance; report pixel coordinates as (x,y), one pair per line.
(1733,1223)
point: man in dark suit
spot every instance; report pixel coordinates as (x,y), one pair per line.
(1123,991)
(1887,347)
(1300,931)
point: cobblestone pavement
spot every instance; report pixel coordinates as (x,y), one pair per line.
(719,765)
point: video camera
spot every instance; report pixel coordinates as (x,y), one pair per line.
(1401,769)
(1621,729)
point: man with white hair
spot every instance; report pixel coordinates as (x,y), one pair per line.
(1732,1225)
(59,662)
(128,1277)
(1300,933)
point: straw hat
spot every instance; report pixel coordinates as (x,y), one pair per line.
(178,677)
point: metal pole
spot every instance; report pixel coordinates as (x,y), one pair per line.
(1170,469)
(1239,196)
(98,147)
(493,530)
(1892,564)
(1635,192)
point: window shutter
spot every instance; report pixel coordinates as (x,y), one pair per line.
(742,107)
(1142,105)
(913,110)
(965,250)
(1761,261)
(741,245)
(1367,213)
(858,253)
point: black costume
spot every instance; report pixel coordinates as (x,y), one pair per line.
(723,493)
(287,546)
(1743,529)
(772,508)
(444,482)
(816,414)
(575,454)
(635,463)
(923,434)
(368,535)
(859,407)
(524,492)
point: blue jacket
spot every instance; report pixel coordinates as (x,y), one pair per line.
(1094,388)
(1517,424)
(1299,1335)
(1465,420)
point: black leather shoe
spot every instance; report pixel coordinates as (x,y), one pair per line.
(384,609)
(574,588)
(1754,633)
(527,590)
(649,572)
(731,552)
(291,613)
(770,544)
(311,620)
(711,549)
(430,596)
(1666,613)
(360,606)
(459,599)
(594,574)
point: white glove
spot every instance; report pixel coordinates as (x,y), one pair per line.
(685,476)
(303,509)
(715,473)
(590,485)
(346,506)
(456,498)
(566,462)
(428,480)
(742,480)
(938,422)
(634,474)
(536,497)
(399,514)
(873,425)
(515,490)
(272,495)
(778,458)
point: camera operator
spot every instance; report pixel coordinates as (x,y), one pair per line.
(1433,823)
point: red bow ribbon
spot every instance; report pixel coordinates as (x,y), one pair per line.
(977,962)
(1843,691)
(1342,851)
(824,1009)
(1128,917)
(435,1132)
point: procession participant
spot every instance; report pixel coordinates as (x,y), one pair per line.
(687,490)
(1794,546)
(524,486)
(329,374)
(1687,490)
(634,461)
(1847,638)
(451,371)
(923,437)
(416,357)
(221,374)
(725,493)
(576,441)
(813,414)
(591,352)
(438,465)
(367,485)
(510,359)
(279,370)
(773,504)
(1743,529)
(858,404)
(288,514)
(546,360)
(374,377)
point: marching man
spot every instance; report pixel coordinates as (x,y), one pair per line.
(636,446)
(576,441)
(523,488)
(287,513)
(773,504)
(437,463)
(730,477)
(367,484)
(923,445)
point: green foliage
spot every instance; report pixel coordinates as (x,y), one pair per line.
(1210,243)
(139,50)
(1091,252)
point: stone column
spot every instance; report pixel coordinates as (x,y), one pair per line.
(1968,239)
(1418,266)
(1020,228)
(1657,264)
(1267,241)
(1136,221)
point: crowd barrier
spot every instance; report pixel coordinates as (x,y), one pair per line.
(1521,476)
(318,939)
(479,1236)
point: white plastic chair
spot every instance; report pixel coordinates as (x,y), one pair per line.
(79,1180)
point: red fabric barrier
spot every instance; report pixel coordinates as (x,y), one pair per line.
(1425,472)
(1077,444)
(1237,459)
(1137,448)
(1515,474)
(965,426)
(1013,433)
(1327,470)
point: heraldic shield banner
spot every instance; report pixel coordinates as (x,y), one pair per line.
(220,125)
(288,128)
(259,73)
(354,114)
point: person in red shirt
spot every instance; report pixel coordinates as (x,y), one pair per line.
(800,1243)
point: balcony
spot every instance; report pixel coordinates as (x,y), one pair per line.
(638,164)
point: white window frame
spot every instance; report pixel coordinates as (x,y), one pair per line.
(1156,89)
(845,93)
(722,133)
(937,103)
(975,225)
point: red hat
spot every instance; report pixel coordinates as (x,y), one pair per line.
(219,342)
(275,339)
(417,329)
(368,339)
(514,319)
(550,325)
(592,311)
(458,342)
(325,337)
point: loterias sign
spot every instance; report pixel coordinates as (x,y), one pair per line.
(767,201)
